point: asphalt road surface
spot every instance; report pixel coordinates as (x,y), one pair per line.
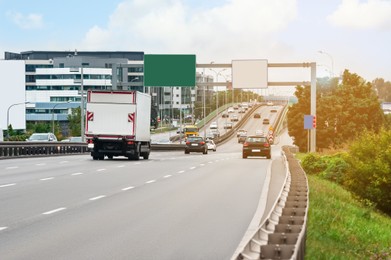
(172,206)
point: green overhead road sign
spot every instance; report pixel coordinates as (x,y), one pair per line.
(166,70)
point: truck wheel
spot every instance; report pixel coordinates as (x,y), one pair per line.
(101,157)
(95,158)
(146,156)
(110,157)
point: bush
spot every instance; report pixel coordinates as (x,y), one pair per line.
(336,168)
(313,164)
(370,173)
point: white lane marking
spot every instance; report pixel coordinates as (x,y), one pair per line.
(173,158)
(11,167)
(40,164)
(98,197)
(53,211)
(120,166)
(2,228)
(46,179)
(7,185)
(128,188)
(192,168)
(151,181)
(210,162)
(77,173)
(101,170)
(167,176)
(181,171)
(202,164)
(137,163)
(64,161)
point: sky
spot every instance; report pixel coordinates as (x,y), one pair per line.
(336,34)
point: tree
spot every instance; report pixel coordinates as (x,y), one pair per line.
(75,122)
(343,112)
(383,89)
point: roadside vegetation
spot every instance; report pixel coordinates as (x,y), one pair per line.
(350,174)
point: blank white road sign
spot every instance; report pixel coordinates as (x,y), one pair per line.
(249,74)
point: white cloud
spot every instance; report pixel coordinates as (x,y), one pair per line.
(372,14)
(239,28)
(30,21)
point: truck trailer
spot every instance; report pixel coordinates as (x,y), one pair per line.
(118,124)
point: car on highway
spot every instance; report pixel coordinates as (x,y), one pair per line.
(231,110)
(196,144)
(234,118)
(228,125)
(266,121)
(42,137)
(215,133)
(269,103)
(73,139)
(225,115)
(213,125)
(241,131)
(242,137)
(256,146)
(257,115)
(273,109)
(242,110)
(211,145)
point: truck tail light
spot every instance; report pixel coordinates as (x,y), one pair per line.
(187,143)
(266,144)
(245,144)
(130,142)
(202,143)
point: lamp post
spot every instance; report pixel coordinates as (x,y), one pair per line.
(332,61)
(53,114)
(8,112)
(217,92)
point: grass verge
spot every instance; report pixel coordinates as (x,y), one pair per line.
(340,227)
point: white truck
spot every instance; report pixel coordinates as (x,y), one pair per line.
(118,124)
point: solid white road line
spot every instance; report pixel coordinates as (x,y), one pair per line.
(151,181)
(77,173)
(128,188)
(53,211)
(181,171)
(98,197)
(46,179)
(7,185)
(2,228)
(11,167)
(167,176)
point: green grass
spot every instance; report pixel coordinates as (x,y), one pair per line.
(340,227)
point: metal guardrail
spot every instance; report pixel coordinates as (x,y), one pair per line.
(29,149)
(283,233)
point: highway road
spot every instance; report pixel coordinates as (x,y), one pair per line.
(172,206)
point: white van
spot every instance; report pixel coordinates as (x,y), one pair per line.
(213,125)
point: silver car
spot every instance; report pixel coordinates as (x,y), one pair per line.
(42,137)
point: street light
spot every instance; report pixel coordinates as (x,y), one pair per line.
(332,61)
(8,111)
(217,92)
(53,114)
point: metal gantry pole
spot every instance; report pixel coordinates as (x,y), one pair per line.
(82,104)
(313,105)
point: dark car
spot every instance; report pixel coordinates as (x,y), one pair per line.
(266,121)
(242,137)
(196,144)
(256,146)
(257,115)
(224,115)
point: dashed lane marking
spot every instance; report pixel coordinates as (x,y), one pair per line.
(11,167)
(167,176)
(151,181)
(46,179)
(101,170)
(53,211)
(98,197)
(120,166)
(202,164)
(7,185)
(181,171)
(128,188)
(2,228)
(192,168)
(40,164)
(77,173)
